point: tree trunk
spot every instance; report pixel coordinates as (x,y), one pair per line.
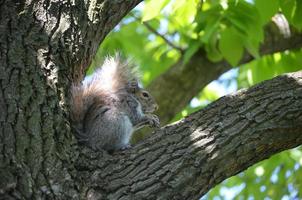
(45,45)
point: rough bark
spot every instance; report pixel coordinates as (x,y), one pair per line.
(184,81)
(45,44)
(186,159)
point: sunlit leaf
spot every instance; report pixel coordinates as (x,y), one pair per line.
(270,66)
(153,8)
(183,12)
(230,46)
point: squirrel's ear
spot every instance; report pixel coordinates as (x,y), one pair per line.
(133,86)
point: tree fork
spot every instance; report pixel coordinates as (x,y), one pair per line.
(44,45)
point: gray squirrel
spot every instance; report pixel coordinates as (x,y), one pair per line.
(107,108)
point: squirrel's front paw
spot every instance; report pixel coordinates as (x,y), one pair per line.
(153,121)
(127,146)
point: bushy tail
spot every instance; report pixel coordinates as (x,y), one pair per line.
(78,109)
(103,85)
(113,76)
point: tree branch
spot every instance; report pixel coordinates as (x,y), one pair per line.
(184,160)
(151,29)
(184,81)
(82,26)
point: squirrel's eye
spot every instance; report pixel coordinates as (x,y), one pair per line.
(145,94)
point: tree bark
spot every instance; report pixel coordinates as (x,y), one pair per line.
(43,46)
(47,44)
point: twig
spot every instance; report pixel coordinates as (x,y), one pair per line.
(150,28)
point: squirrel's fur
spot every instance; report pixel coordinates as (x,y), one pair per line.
(106,81)
(106,108)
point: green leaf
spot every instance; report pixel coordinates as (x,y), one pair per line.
(211,47)
(288,8)
(193,47)
(269,66)
(230,46)
(263,69)
(242,16)
(267,9)
(184,12)
(245,18)
(210,29)
(208,22)
(153,8)
(297,19)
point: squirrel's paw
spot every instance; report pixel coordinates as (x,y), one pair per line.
(127,146)
(153,121)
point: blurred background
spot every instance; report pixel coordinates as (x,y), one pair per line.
(192,52)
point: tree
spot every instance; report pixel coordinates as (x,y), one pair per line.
(47,45)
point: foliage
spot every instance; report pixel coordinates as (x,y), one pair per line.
(161,32)
(269,66)
(276,178)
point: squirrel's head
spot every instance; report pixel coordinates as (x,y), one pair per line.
(148,103)
(144,97)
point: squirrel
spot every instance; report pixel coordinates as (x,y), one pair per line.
(107,108)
